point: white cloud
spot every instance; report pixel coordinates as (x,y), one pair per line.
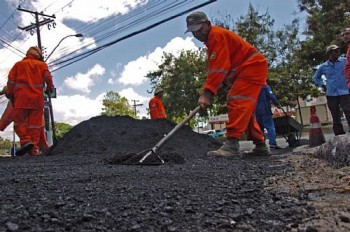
(76,108)
(135,71)
(131,95)
(93,11)
(83,82)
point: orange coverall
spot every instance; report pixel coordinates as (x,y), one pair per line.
(25,87)
(8,117)
(237,63)
(156,108)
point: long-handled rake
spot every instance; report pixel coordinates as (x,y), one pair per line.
(153,151)
(141,157)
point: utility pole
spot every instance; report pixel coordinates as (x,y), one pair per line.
(36,26)
(37,23)
(136,105)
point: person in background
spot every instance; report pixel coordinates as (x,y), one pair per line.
(8,114)
(233,62)
(156,108)
(346,39)
(25,89)
(336,88)
(264,114)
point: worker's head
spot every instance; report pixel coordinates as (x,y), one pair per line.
(333,52)
(34,52)
(159,91)
(199,25)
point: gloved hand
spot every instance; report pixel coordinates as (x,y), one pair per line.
(324,88)
(205,99)
(48,91)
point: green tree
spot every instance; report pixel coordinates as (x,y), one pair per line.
(61,129)
(182,78)
(114,105)
(325,21)
(257,29)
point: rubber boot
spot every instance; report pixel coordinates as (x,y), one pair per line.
(229,149)
(27,147)
(260,149)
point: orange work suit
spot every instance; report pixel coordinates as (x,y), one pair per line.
(8,117)
(25,86)
(156,108)
(238,64)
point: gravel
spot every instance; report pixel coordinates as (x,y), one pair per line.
(82,185)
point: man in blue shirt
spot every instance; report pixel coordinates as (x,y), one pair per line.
(337,92)
(263,114)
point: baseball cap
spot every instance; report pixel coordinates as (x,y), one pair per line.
(331,48)
(194,21)
(158,90)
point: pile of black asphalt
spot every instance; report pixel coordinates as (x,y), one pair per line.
(84,185)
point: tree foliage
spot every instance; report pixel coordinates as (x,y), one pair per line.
(61,129)
(182,78)
(325,21)
(115,105)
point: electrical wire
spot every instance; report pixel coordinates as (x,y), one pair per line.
(112,29)
(83,55)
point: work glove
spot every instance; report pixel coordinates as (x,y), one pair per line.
(48,91)
(205,99)
(324,88)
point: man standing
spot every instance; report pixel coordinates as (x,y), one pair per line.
(264,114)
(156,108)
(25,89)
(235,62)
(336,88)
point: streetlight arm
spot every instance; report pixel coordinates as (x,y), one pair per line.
(76,35)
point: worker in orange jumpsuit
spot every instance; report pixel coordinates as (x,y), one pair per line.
(233,62)
(25,89)
(156,108)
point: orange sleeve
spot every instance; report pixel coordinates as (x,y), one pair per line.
(218,63)
(156,108)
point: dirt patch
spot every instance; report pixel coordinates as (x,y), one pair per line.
(324,187)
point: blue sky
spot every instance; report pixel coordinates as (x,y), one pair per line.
(121,67)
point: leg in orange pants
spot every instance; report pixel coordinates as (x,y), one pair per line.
(29,126)
(241,103)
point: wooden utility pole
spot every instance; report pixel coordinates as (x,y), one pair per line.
(37,23)
(136,105)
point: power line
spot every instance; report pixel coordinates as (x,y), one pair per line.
(83,55)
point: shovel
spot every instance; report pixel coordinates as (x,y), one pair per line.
(153,151)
